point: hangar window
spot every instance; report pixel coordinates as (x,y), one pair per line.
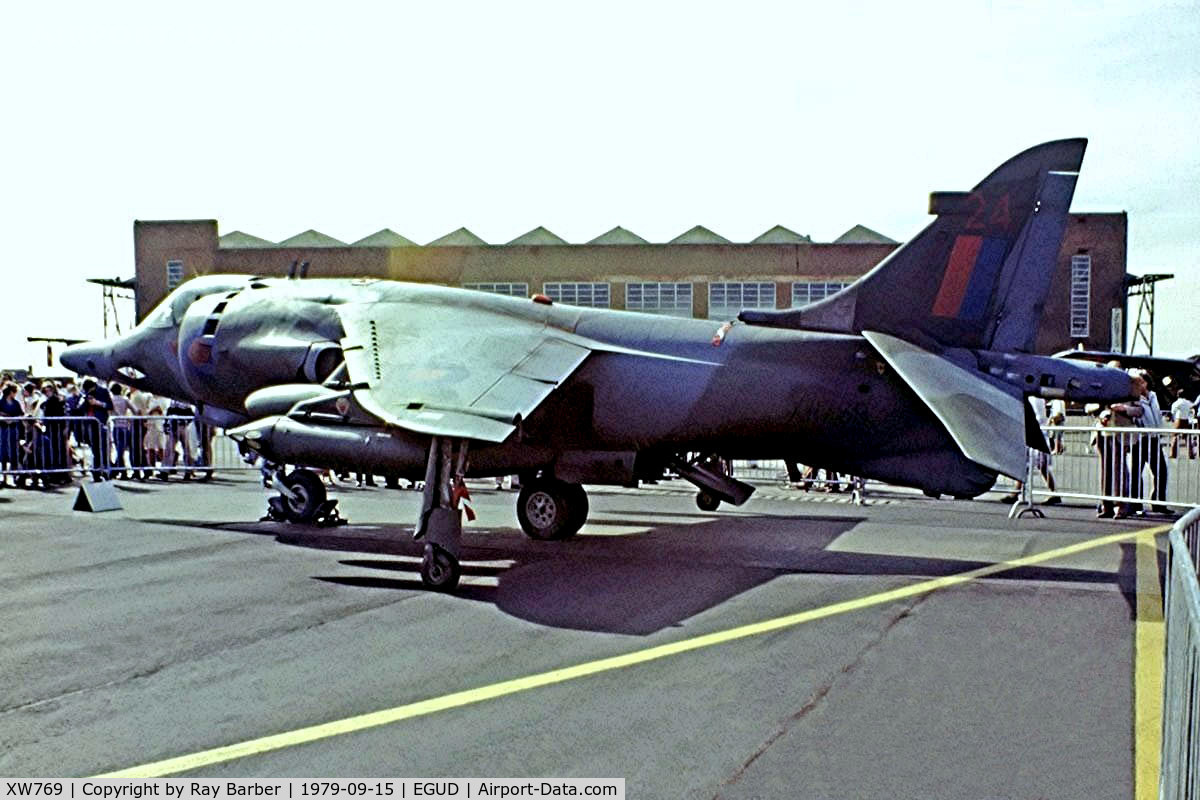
(726,299)
(805,292)
(174,274)
(1081,294)
(510,289)
(591,295)
(670,299)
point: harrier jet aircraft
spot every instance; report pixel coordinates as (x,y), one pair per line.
(916,374)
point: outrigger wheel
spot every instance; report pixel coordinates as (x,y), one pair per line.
(551,509)
(309,494)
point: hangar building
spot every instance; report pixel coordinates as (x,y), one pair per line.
(698,274)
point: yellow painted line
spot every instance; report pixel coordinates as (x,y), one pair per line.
(1147,672)
(422,708)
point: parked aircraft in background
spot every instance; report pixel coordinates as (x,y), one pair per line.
(915,375)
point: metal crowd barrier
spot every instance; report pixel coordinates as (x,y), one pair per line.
(1135,466)
(163,444)
(1179,775)
(46,448)
(52,450)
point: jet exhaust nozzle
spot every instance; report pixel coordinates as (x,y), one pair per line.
(279,400)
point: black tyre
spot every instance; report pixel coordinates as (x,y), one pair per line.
(440,571)
(707,502)
(392,481)
(309,494)
(577,507)
(544,510)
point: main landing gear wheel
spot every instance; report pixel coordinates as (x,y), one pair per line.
(309,494)
(550,509)
(707,502)
(577,503)
(439,570)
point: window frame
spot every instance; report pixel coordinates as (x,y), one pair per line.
(491,287)
(1079,308)
(829,288)
(727,310)
(555,290)
(675,309)
(175,273)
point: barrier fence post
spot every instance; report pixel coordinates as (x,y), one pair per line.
(1179,775)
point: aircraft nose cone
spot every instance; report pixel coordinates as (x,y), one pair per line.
(86,359)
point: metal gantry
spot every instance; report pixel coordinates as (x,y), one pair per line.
(1142,288)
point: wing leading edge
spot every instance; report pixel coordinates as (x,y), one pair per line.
(466,371)
(445,371)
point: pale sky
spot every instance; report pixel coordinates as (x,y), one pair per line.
(274,118)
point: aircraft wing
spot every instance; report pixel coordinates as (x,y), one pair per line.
(987,423)
(445,371)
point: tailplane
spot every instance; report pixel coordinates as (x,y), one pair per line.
(977,276)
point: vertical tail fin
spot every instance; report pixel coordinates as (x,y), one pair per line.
(978,275)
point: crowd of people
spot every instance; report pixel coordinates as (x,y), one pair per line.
(50,432)
(1126,456)
(1125,452)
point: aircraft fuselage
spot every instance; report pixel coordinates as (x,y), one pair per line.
(668,385)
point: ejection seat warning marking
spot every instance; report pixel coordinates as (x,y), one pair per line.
(279,741)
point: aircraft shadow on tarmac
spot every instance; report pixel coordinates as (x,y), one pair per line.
(631,583)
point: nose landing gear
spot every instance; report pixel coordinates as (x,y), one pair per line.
(440,523)
(439,570)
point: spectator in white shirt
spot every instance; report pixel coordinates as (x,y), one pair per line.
(138,404)
(1058,418)
(1181,419)
(122,429)
(1147,449)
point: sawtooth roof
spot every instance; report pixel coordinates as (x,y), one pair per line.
(539,235)
(384,238)
(699,235)
(462,236)
(311,238)
(860,234)
(618,235)
(781,235)
(240,239)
